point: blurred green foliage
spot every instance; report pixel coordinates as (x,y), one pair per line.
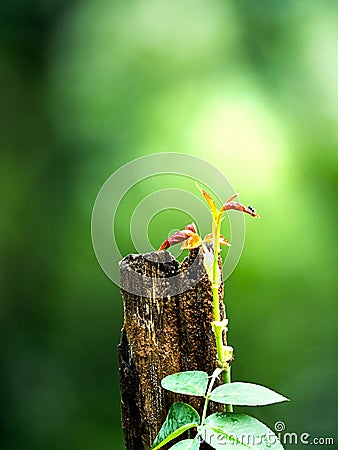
(86,87)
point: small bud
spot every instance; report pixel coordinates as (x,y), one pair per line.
(228,354)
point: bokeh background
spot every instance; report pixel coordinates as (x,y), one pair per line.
(250,86)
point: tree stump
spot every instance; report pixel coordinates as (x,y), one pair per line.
(168,310)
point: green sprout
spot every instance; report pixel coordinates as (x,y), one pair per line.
(228,427)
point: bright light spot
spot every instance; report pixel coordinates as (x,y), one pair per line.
(240,135)
(320,41)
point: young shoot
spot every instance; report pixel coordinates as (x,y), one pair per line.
(183,417)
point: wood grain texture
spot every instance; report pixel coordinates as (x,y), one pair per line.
(162,334)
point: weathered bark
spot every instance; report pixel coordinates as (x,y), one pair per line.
(162,334)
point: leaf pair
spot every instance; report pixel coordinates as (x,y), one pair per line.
(237,393)
(189,235)
(229,204)
(218,430)
(190,238)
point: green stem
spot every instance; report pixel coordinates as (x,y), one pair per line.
(211,385)
(215,296)
(217,327)
(226,375)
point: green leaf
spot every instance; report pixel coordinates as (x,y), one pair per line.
(245,394)
(181,417)
(187,444)
(243,431)
(192,382)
